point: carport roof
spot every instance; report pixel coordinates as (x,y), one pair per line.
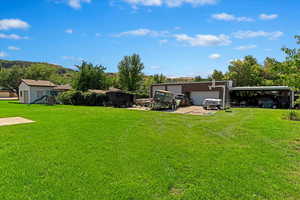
(260,88)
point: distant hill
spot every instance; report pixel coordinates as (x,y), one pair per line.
(11,63)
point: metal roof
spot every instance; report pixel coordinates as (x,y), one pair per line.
(260,88)
(41,83)
(183,83)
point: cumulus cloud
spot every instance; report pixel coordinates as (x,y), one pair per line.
(245,47)
(170,3)
(230,17)
(12,36)
(204,40)
(7,24)
(142,32)
(268,17)
(76,4)
(251,34)
(13,48)
(2,54)
(69,31)
(214,56)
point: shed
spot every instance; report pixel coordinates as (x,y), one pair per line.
(31,90)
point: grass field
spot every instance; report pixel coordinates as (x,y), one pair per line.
(74,152)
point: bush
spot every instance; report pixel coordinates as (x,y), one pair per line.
(292,115)
(69,97)
(297,103)
(74,97)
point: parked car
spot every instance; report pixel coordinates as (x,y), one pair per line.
(212,104)
(267,103)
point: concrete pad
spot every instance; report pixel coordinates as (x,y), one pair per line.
(14,120)
(191,110)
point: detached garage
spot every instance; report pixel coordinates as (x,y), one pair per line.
(197,91)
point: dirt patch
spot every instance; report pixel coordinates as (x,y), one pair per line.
(296,144)
(14,120)
(192,110)
(176,191)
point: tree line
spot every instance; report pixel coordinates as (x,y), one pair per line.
(130,76)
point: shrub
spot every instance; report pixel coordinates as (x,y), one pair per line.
(297,103)
(292,115)
(74,97)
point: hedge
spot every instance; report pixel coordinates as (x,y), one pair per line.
(74,97)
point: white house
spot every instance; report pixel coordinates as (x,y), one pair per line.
(31,90)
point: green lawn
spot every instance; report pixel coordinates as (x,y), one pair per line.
(76,152)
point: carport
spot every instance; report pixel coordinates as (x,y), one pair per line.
(262,96)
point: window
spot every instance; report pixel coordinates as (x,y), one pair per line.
(21,94)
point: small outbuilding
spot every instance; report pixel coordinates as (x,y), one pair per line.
(32,90)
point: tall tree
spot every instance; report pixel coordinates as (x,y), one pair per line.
(131,72)
(217,75)
(90,77)
(245,72)
(11,78)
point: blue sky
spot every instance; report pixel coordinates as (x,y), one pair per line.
(174,37)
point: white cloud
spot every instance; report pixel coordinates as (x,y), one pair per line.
(268,17)
(7,24)
(13,48)
(12,36)
(214,56)
(2,54)
(69,31)
(251,34)
(76,4)
(230,17)
(204,40)
(142,32)
(170,3)
(245,47)
(163,41)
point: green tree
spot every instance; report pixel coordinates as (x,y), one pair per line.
(159,78)
(245,72)
(131,72)
(217,75)
(89,77)
(198,78)
(11,78)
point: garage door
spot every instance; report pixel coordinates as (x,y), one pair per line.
(198,97)
(160,87)
(175,89)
